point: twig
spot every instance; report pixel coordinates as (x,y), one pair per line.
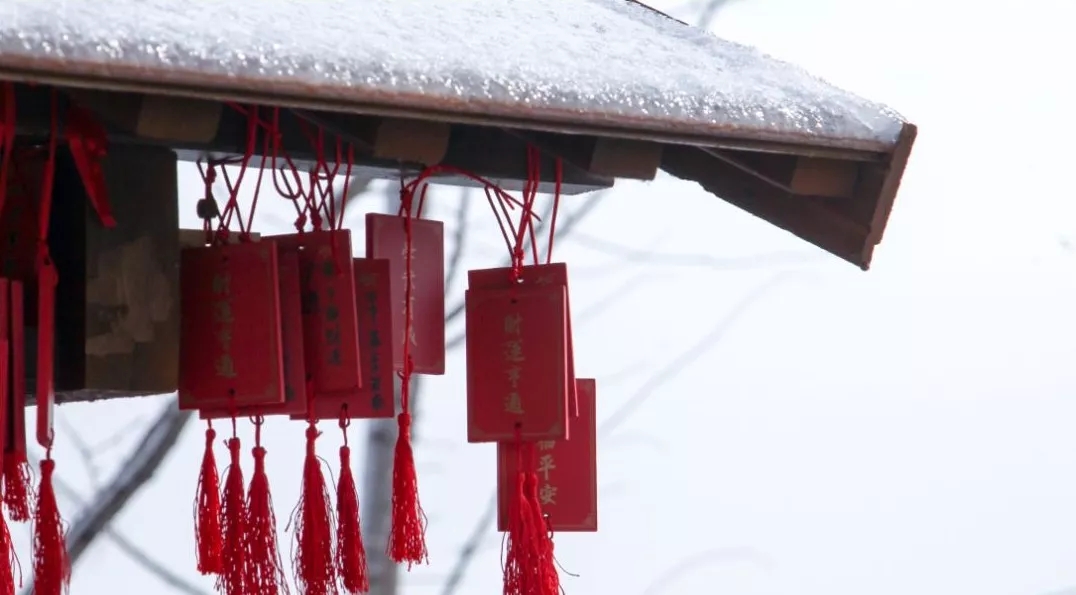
(459,240)
(84,452)
(709,12)
(470,547)
(138,469)
(677,365)
(133,551)
(638,256)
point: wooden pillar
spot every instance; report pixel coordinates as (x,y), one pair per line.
(117,314)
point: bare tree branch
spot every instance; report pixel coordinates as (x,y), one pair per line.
(648,388)
(137,469)
(459,240)
(134,552)
(85,452)
(709,11)
(639,256)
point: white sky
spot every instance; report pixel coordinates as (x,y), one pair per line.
(907,430)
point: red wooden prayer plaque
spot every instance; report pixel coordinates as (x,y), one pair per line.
(15,438)
(567,471)
(291,337)
(330,326)
(542,274)
(516,364)
(374,307)
(386,238)
(230,344)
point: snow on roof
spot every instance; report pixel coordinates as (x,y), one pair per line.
(602,63)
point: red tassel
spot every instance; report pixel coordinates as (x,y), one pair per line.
(233,522)
(518,540)
(52,570)
(207,532)
(350,552)
(9,561)
(265,575)
(545,566)
(314,572)
(18,486)
(407,540)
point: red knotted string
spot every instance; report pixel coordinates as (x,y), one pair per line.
(207,514)
(18,486)
(52,569)
(88,142)
(265,572)
(233,521)
(313,555)
(350,551)
(17,474)
(9,560)
(520,559)
(407,538)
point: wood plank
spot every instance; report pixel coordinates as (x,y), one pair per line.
(118,297)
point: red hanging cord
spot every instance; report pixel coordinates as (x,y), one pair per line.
(350,551)
(52,570)
(17,474)
(207,530)
(9,561)
(265,572)
(559,178)
(407,539)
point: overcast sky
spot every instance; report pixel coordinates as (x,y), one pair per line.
(907,430)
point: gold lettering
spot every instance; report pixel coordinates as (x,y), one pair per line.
(222,312)
(513,324)
(513,376)
(225,366)
(513,403)
(545,465)
(546,445)
(222,284)
(224,335)
(547,494)
(513,351)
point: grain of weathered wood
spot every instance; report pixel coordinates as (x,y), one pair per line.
(118,296)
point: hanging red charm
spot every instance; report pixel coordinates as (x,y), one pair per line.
(18,477)
(230,345)
(386,237)
(207,530)
(265,572)
(291,337)
(350,552)
(529,276)
(516,364)
(374,307)
(330,324)
(233,521)
(566,470)
(313,561)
